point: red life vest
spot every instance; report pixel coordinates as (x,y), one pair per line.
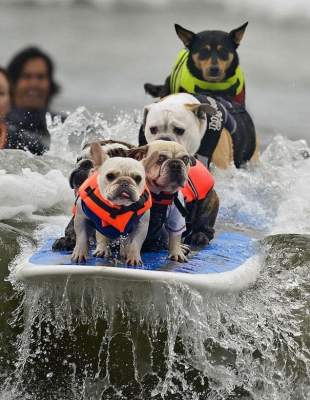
(110,219)
(199,183)
(163,198)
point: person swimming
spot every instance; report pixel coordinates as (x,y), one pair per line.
(31,74)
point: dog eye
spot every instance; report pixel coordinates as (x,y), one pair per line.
(137,179)
(223,53)
(110,176)
(178,131)
(161,159)
(153,130)
(185,159)
(204,53)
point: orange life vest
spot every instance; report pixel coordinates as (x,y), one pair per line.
(199,183)
(110,219)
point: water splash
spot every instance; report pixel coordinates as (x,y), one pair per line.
(95,339)
(176,339)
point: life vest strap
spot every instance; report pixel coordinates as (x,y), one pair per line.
(182,210)
(114,212)
(164,198)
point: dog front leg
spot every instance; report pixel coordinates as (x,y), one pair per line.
(135,241)
(80,251)
(102,246)
(177,250)
(204,218)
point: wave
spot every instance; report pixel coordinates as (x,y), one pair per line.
(251,344)
(276,9)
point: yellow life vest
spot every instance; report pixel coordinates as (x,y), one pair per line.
(181,78)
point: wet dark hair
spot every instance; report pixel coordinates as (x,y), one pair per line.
(16,65)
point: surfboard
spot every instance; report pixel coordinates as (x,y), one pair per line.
(228,263)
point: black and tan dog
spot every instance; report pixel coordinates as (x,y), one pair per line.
(208,63)
(208,68)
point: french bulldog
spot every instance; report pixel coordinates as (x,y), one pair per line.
(88,161)
(166,166)
(119,188)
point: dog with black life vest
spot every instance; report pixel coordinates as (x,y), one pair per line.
(208,68)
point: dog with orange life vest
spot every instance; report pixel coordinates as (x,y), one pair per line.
(178,181)
(114,200)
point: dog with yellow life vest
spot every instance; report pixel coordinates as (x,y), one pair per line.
(208,71)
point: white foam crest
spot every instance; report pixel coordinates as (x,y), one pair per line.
(271,196)
(31,192)
(81,126)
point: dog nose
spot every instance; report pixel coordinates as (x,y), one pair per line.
(123,183)
(214,70)
(167,138)
(175,164)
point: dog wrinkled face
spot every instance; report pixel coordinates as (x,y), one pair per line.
(180,118)
(211,52)
(166,165)
(121,180)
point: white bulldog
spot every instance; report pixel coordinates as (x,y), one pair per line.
(120,183)
(180,118)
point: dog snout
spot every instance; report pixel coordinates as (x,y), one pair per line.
(175,164)
(123,183)
(167,138)
(214,70)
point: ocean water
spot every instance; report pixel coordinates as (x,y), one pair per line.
(108,340)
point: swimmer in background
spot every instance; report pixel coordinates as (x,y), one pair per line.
(5,104)
(31,74)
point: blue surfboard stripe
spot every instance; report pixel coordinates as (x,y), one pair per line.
(225,253)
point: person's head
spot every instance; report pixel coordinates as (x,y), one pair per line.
(31,74)
(4,93)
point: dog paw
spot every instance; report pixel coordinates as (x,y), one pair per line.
(185,248)
(178,256)
(199,239)
(102,252)
(79,254)
(133,259)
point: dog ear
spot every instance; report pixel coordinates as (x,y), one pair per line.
(97,155)
(201,110)
(193,161)
(138,153)
(185,35)
(237,34)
